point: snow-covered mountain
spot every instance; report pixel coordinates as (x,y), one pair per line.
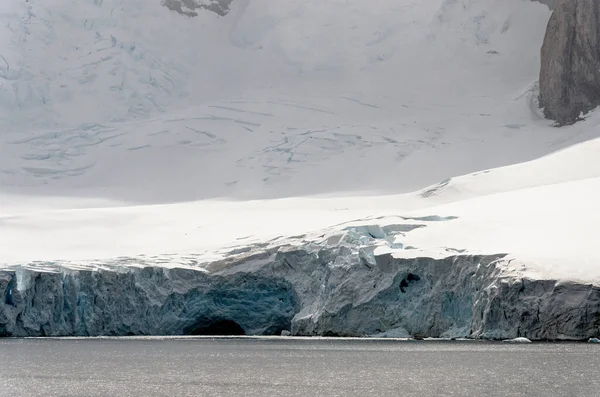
(313,145)
(130,101)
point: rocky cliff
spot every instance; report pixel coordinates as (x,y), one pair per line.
(570,72)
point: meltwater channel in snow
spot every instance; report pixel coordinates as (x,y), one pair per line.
(372,168)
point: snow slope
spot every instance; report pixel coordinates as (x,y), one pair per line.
(298,146)
(423,273)
(106,99)
(542,211)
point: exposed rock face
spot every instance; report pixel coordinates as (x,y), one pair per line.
(570,73)
(307,290)
(189,7)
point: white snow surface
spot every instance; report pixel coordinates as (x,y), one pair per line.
(132,131)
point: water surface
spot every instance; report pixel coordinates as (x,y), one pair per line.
(291,367)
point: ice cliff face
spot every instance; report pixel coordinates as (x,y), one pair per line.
(570,73)
(148,301)
(337,287)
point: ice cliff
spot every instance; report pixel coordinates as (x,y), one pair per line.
(340,285)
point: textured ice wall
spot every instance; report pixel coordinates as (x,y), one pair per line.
(310,290)
(460,296)
(146,301)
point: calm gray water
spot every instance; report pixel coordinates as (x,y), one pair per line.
(290,367)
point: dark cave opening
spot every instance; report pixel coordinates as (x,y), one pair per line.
(410,278)
(218,327)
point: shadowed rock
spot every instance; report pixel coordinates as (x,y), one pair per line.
(570,72)
(189,7)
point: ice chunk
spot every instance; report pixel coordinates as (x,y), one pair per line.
(517,340)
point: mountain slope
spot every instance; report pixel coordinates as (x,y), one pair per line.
(132,102)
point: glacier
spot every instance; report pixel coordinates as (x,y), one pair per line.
(338,286)
(168,174)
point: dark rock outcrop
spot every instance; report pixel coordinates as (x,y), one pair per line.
(570,72)
(189,7)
